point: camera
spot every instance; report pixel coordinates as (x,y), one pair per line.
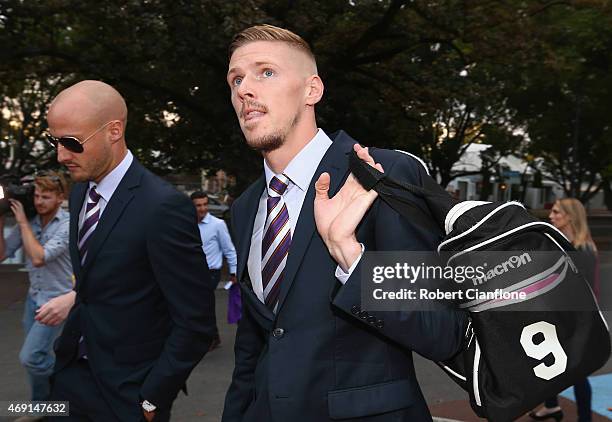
(22,192)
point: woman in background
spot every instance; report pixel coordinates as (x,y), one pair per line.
(569,216)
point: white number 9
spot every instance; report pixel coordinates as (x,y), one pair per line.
(540,351)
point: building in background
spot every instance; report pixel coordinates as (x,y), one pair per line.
(512,179)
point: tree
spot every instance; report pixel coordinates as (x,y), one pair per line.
(426,77)
(564,100)
(22,148)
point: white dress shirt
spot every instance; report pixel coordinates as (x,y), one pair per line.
(107,186)
(300,172)
(217,243)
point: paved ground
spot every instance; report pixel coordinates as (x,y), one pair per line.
(210,379)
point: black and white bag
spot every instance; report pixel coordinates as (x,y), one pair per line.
(517,353)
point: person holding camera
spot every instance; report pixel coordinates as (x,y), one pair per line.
(44,240)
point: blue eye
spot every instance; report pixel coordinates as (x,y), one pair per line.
(267,73)
(237,81)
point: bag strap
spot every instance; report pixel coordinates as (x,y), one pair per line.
(396,193)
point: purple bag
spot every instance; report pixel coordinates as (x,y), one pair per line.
(234,305)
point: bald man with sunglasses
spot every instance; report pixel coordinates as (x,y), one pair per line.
(143,314)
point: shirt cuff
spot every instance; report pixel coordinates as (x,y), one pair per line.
(341,275)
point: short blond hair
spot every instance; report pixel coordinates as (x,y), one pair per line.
(269,33)
(52,182)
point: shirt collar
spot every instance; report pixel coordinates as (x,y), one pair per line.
(303,166)
(109,183)
(60,215)
(206,218)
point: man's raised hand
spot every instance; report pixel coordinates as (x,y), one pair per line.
(337,218)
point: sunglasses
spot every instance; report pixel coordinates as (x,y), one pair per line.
(72,143)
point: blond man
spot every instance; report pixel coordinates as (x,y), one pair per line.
(305,350)
(44,240)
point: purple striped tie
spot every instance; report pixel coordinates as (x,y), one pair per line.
(92,216)
(276,241)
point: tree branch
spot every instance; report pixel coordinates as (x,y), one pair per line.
(379,28)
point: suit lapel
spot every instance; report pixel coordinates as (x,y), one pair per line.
(244,230)
(334,162)
(76,203)
(244,226)
(121,197)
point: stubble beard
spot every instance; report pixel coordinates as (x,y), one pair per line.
(79,178)
(96,167)
(273,141)
(48,212)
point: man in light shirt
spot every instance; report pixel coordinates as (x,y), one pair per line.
(44,240)
(216,243)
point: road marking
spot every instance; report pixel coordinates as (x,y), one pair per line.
(601,385)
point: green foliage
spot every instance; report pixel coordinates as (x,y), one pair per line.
(564,100)
(427,77)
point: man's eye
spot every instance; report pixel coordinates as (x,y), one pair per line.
(237,81)
(267,73)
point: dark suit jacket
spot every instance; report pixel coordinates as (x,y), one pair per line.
(143,304)
(321,357)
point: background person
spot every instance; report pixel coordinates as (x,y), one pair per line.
(44,240)
(142,318)
(569,216)
(216,243)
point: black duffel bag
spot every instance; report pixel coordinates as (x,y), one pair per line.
(517,353)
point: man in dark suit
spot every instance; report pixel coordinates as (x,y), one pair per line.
(142,317)
(305,350)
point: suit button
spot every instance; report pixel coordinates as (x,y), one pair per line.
(355,310)
(372,319)
(278,332)
(363,315)
(380,323)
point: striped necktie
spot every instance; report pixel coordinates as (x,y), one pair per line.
(90,222)
(275,242)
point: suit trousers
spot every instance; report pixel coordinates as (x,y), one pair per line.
(76,384)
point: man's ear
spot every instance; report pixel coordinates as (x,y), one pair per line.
(117,130)
(314,90)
